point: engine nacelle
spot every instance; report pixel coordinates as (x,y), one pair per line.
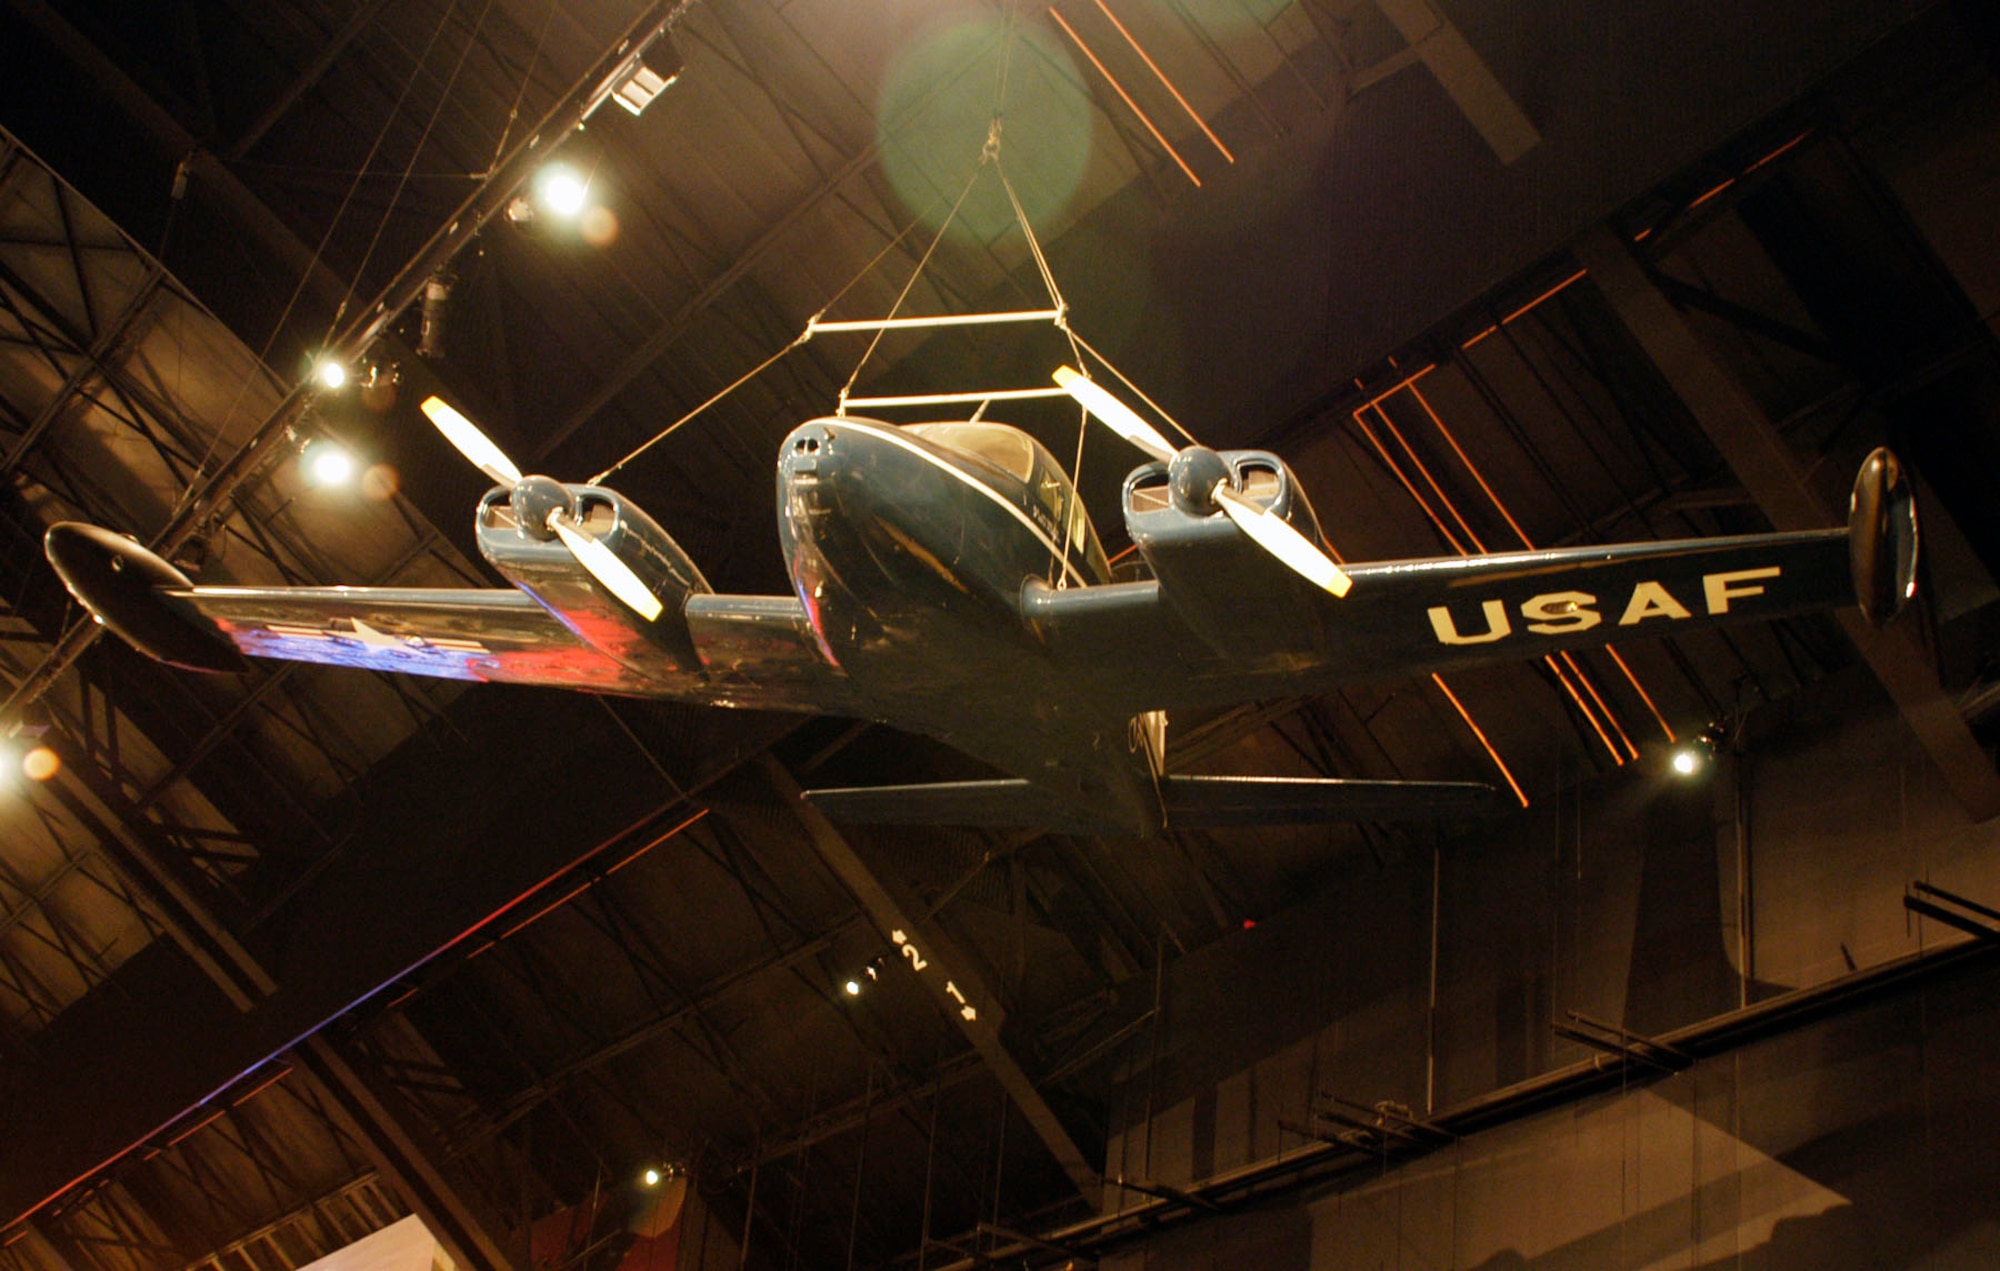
(518,544)
(1225,587)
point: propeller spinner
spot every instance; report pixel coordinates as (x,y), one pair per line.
(542,500)
(1204,480)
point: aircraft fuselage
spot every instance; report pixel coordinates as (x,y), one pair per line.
(911,557)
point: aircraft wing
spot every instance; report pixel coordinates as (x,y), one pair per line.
(1410,617)
(754,651)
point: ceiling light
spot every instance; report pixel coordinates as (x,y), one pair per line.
(853,988)
(644,74)
(330,373)
(651,1177)
(327,463)
(1687,761)
(560,191)
(641,84)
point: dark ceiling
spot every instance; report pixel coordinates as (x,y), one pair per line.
(287,955)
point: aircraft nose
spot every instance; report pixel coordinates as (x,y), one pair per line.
(805,447)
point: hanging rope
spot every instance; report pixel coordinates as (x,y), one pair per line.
(992,148)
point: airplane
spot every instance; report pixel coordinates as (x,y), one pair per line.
(947,581)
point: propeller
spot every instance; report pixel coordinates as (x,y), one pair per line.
(533,493)
(1210,480)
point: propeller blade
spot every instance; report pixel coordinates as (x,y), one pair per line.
(1119,417)
(1272,533)
(603,565)
(473,444)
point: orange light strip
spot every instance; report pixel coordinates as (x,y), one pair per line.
(1491,753)
(1609,718)
(1397,387)
(1529,543)
(198,1126)
(1575,696)
(1134,106)
(1644,696)
(1473,468)
(656,842)
(1775,153)
(1382,450)
(1583,707)
(1544,296)
(588,883)
(1524,309)
(284,1071)
(1164,81)
(1429,480)
(1701,199)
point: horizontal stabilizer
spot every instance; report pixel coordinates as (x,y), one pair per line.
(1219,802)
(1191,803)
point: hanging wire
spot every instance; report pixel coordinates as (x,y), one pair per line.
(318,255)
(416,152)
(988,152)
(803,336)
(527,78)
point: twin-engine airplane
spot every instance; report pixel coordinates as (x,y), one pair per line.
(946,581)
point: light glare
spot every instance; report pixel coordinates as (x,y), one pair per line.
(561,191)
(1686,762)
(652,1177)
(328,463)
(332,374)
(853,988)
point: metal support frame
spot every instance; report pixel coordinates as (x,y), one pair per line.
(946,972)
(1464,75)
(1760,456)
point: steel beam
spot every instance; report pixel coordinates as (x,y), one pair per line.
(946,972)
(1464,75)
(1763,460)
(470,1232)
(184,1041)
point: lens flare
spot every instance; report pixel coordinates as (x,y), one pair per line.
(40,764)
(936,103)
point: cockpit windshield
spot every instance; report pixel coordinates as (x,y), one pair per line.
(1046,494)
(1008,449)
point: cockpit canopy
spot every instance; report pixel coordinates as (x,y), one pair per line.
(1020,468)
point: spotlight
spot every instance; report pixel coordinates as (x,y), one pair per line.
(853,988)
(646,73)
(639,83)
(651,1177)
(330,373)
(327,463)
(1697,754)
(560,191)
(431,315)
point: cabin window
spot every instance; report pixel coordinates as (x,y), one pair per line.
(1008,449)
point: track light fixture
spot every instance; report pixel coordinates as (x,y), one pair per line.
(644,74)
